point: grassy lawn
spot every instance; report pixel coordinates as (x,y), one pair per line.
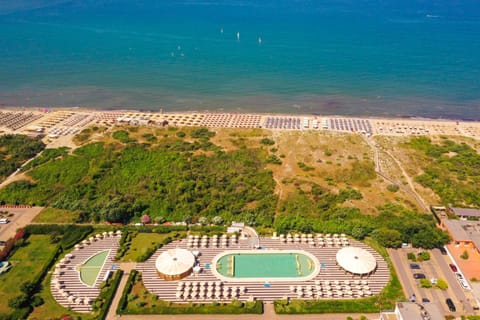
(140,301)
(53,215)
(51,309)
(145,241)
(26,262)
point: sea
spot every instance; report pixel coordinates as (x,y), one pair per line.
(399,58)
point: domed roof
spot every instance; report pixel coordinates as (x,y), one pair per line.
(175,262)
(356,260)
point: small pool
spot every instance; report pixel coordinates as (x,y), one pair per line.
(276,265)
(90,270)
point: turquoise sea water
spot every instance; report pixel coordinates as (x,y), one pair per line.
(349,57)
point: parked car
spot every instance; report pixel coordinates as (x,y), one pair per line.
(2,243)
(414,266)
(451,305)
(458,275)
(453,267)
(425,300)
(419,276)
(443,251)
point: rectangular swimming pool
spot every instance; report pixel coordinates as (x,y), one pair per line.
(265,265)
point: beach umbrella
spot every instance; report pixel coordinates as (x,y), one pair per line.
(77,246)
(119,232)
(65,294)
(110,233)
(292,288)
(86,301)
(368,293)
(71,298)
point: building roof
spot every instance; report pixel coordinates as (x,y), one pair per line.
(175,262)
(356,260)
(465,212)
(462,230)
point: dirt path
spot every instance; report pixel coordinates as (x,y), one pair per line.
(411,190)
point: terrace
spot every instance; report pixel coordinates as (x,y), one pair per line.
(328,280)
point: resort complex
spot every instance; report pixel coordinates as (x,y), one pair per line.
(284,267)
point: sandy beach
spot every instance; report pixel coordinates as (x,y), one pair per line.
(55,123)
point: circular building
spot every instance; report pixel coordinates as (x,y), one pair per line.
(175,264)
(356,260)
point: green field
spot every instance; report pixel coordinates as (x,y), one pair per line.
(143,242)
(26,262)
(54,215)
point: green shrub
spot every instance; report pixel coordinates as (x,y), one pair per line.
(425,283)
(441,284)
(465,255)
(304,167)
(122,136)
(393,187)
(267,142)
(411,256)
(122,304)
(424,256)
(273,159)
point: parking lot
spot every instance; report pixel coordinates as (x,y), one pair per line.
(20,218)
(437,267)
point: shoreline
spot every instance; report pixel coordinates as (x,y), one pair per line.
(60,121)
(232,112)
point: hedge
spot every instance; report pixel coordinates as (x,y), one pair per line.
(108,295)
(72,234)
(122,304)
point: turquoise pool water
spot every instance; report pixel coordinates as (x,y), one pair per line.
(265,265)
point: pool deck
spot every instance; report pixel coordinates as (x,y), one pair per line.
(325,284)
(67,287)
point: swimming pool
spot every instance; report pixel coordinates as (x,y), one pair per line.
(91,268)
(271,265)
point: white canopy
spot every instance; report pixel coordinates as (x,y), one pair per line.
(356,260)
(175,262)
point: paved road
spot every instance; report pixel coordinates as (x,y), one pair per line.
(127,268)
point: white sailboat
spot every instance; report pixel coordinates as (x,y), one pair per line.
(238,35)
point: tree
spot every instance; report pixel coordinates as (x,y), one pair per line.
(203,221)
(217,220)
(465,255)
(18,302)
(442,284)
(387,237)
